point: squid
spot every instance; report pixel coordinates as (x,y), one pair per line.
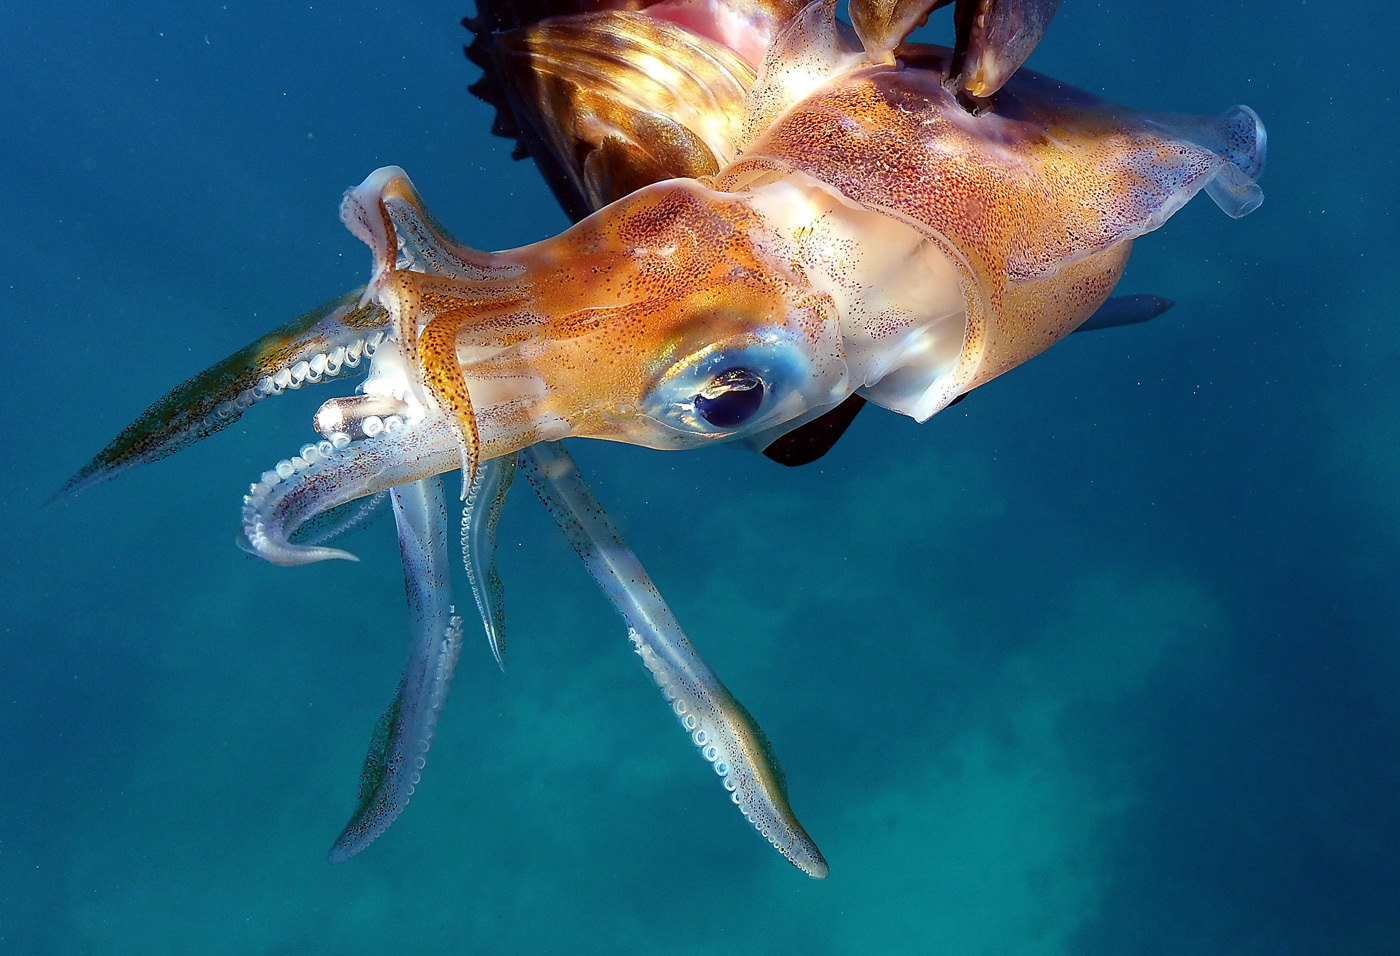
(780,218)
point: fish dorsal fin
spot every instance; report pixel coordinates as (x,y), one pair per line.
(623,100)
(814,48)
(808,442)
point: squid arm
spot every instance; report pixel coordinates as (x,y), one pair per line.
(726,734)
(482,513)
(330,341)
(399,748)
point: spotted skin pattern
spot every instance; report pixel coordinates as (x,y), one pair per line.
(609,305)
(898,224)
(1036,202)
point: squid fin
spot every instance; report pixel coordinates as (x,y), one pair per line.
(1237,137)
(1117,173)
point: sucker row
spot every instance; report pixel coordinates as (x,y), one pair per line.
(318,368)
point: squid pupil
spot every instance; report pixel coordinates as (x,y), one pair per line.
(731,399)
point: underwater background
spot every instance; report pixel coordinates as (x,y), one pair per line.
(1105,659)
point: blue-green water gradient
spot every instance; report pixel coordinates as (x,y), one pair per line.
(1104,660)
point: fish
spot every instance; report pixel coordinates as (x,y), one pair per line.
(780,218)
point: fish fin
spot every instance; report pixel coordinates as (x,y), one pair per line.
(613,100)
(806,443)
(1125,310)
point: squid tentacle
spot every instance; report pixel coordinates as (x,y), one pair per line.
(399,748)
(480,517)
(726,734)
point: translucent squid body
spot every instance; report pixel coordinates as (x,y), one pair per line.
(792,216)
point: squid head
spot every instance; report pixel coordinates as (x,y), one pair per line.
(671,320)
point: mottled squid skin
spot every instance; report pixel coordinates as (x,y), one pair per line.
(1036,201)
(769,266)
(577,343)
(787,220)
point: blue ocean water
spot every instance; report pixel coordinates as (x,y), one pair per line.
(1103,660)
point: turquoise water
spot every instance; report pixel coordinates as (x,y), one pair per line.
(1103,660)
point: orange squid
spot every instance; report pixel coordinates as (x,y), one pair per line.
(791,216)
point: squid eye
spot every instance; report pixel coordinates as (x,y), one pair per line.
(731,398)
